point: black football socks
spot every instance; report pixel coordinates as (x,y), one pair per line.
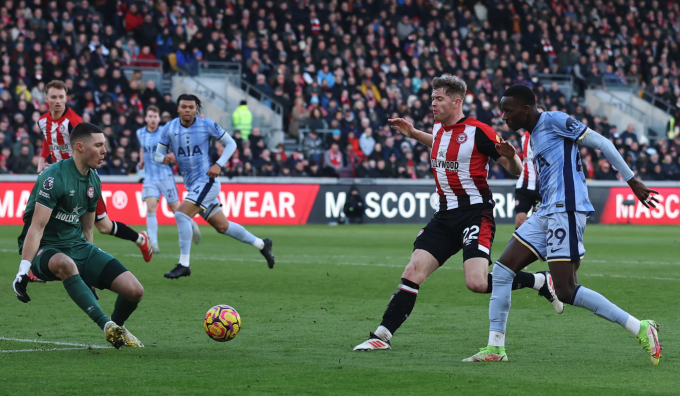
(400,305)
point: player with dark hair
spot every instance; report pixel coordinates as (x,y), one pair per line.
(555,232)
(56,126)
(56,242)
(158,178)
(189,138)
(461,148)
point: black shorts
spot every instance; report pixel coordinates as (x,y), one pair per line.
(526,199)
(471,229)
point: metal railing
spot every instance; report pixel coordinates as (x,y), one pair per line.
(625,105)
(632,85)
(232,72)
(261,96)
(142,64)
(564,81)
(304,131)
(219,67)
(658,102)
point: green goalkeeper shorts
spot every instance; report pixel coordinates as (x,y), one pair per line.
(96,267)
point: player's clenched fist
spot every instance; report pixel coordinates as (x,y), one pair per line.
(214,170)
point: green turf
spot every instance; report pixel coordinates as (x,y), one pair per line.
(327,291)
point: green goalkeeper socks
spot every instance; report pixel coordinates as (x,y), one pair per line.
(123,310)
(81,294)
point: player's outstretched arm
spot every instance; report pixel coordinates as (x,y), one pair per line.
(509,158)
(87,221)
(595,140)
(408,130)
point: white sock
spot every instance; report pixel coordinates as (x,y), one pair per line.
(383,333)
(184,260)
(496,338)
(140,240)
(633,325)
(539,281)
(258,243)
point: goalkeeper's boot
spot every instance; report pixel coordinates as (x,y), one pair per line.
(114,334)
(178,272)
(267,252)
(489,354)
(33,278)
(196,236)
(548,291)
(648,337)
(373,343)
(131,340)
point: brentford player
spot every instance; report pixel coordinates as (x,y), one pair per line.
(56,126)
(461,147)
(526,190)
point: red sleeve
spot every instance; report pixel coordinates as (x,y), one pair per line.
(45,152)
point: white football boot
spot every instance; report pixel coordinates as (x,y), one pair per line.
(548,291)
(373,343)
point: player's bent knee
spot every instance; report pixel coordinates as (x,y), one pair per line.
(104,227)
(136,293)
(221,229)
(62,266)
(477,285)
(415,272)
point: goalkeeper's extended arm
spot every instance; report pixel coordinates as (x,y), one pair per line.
(595,140)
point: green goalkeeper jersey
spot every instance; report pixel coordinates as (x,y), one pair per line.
(69,194)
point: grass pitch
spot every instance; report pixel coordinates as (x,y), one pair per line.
(328,290)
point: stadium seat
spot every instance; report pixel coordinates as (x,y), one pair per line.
(172,59)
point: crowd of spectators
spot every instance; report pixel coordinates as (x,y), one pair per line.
(340,68)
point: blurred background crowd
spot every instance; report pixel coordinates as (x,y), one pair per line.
(339,69)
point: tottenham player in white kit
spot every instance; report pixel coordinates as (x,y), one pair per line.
(555,232)
(158,178)
(189,138)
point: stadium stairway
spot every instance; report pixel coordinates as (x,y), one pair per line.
(221,92)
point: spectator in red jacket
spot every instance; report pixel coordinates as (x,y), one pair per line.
(144,56)
(133,19)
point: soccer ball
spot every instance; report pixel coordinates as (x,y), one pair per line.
(222,323)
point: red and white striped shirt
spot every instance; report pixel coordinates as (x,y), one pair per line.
(527,179)
(460,162)
(57,134)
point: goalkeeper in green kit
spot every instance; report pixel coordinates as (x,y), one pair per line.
(56,242)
